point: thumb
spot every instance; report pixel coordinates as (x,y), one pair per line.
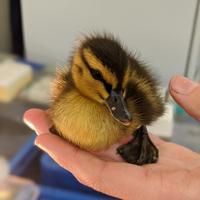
(187,94)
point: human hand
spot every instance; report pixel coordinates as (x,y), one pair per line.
(175,176)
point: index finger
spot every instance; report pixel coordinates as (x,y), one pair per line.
(187,94)
(38,120)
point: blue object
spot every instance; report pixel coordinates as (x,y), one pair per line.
(34,65)
(52,186)
(179,110)
(48,193)
(54,175)
(25,156)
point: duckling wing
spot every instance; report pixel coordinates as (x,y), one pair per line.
(142,94)
(63,81)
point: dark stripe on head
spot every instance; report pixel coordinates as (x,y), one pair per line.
(107,85)
(110,52)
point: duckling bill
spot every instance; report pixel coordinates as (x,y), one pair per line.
(105,95)
(118,108)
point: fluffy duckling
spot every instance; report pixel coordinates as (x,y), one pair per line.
(106,94)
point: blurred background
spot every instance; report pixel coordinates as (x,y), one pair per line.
(37,36)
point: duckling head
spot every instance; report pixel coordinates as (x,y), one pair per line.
(99,67)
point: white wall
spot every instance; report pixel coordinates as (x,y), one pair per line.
(157,30)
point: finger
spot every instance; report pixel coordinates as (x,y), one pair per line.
(187,94)
(156,140)
(180,153)
(38,120)
(107,177)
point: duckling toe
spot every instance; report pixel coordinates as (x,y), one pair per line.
(140,150)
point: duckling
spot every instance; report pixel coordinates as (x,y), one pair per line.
(105,95)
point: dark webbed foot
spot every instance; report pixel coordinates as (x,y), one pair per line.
(140,150)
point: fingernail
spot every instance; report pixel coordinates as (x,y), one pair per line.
(182,85)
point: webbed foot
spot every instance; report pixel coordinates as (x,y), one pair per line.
(140,150)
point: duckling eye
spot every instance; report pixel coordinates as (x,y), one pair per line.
(96,74)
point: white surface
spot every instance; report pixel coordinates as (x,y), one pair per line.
(158,30)
(164,126)
(39,91)
(13,77)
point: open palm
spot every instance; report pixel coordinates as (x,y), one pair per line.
(175,176)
